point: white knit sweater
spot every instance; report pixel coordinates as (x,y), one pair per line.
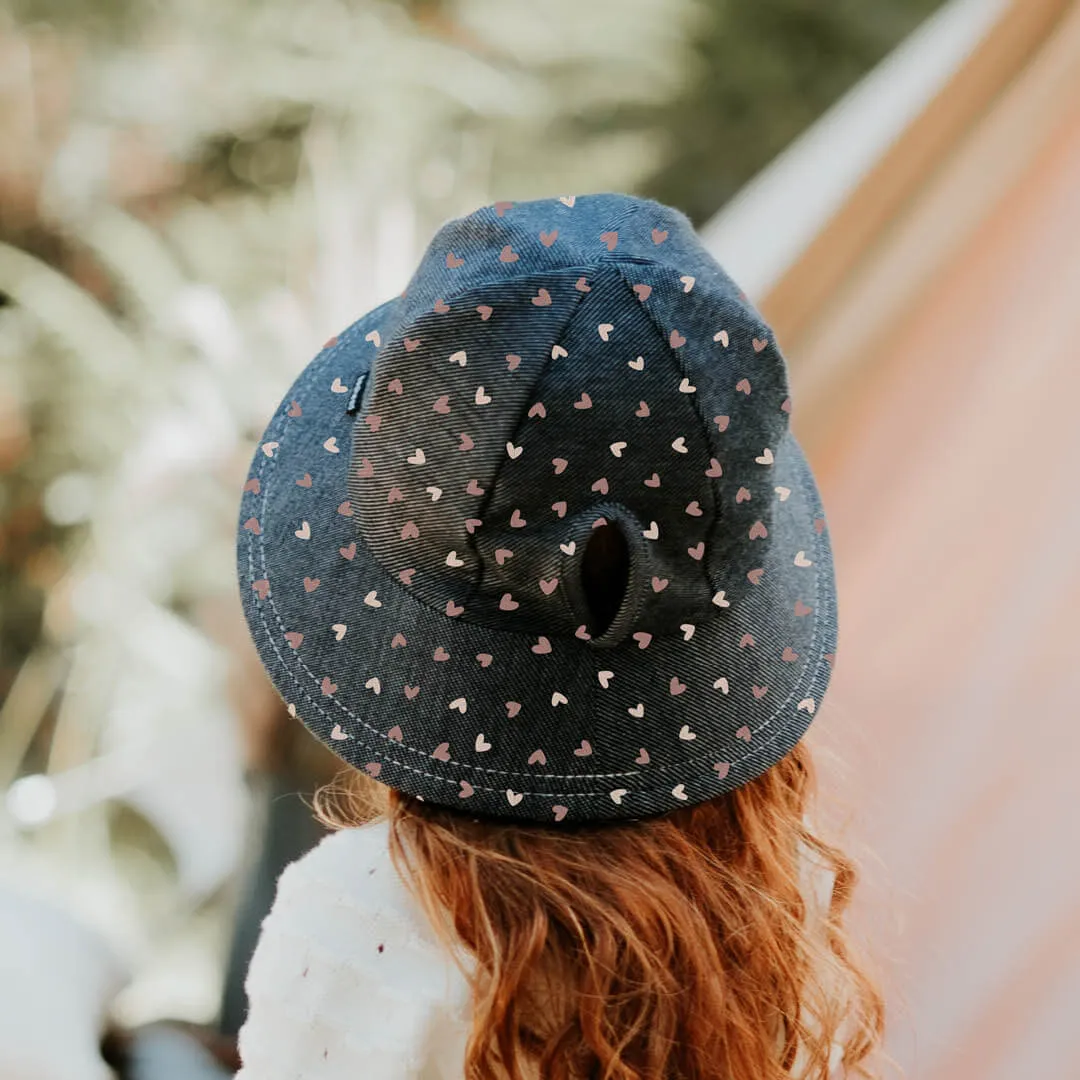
(348,981)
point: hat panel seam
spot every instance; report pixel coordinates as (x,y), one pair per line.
(477,586)
(811,665)
(493,483)
(682,369)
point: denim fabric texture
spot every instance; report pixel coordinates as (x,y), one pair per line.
(412,529)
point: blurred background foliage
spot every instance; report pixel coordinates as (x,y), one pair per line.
(193,195)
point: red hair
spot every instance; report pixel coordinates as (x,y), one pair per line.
(683,947)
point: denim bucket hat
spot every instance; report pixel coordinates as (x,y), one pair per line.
(568,383)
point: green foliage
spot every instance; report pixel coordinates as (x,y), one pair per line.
(761,71)
(101,18)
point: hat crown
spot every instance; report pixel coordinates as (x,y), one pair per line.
(552,367)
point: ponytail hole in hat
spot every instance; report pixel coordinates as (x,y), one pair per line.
(605,573)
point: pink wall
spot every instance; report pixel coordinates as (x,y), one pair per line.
(955,514)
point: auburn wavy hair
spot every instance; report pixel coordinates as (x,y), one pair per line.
(700,945)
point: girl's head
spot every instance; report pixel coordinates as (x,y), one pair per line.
(533,544)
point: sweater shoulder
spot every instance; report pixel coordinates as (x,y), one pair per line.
(353,860)
(351,873)
(347,978)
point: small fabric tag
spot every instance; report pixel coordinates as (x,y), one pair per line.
(357,391)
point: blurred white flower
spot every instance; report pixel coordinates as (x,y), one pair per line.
(200,314)
(99,600)
(79,172)
(31,800)
(69,499)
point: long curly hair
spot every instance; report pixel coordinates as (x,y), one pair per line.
(706,944)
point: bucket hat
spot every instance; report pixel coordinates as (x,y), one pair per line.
(568,390)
